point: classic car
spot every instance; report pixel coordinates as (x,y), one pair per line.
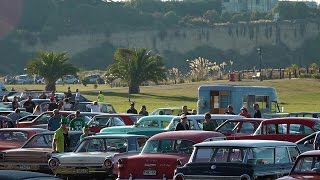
(168,111)
(306,143)
(284,129)
(6,122)
(22,113)
(159,157)
(108,120)
(87,116)
(104,107)
(146,123)
(61,95)
(25,175)
(7,106)
(25,94)
(42,119)
(239,159)
(15,137)
(34,154)
(234,127)
(96,155)
(194,122)
(28,118)
(306,167)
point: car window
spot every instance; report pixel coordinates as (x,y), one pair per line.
(228,127)
(307,164)
(148,123)
(141,142)
(164,124)
(248,127)
(102,122)
(43,118)
(262,156)
(92,145)
(293,153)
(40,141)
(13,136)
(300,129)
(282,155)
(220,154)
(117,122)
(168,146)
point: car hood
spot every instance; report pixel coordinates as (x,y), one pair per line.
(300,177)
(83,157)
(28,150)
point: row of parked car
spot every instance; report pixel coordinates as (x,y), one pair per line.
(240,148)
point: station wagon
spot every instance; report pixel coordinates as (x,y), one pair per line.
(239,159)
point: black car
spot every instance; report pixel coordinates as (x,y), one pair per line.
(239,159)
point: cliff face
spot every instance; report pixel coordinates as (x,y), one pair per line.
(241,38)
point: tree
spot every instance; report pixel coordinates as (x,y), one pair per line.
(314,67)
(51,66)
(136,66)
(293,68)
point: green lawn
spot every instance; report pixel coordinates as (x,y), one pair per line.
(293,94)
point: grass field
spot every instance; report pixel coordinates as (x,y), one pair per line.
(293,94)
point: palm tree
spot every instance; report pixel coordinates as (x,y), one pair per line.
(294,68)
(51,66)
(136,66)
(314,68)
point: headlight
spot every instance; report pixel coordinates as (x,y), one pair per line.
(108,163)
(53,163)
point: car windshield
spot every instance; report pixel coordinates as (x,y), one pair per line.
(191,124)
(308,164)
(103,145)
(104,108)
(168,146)
(234,155)
(152,123)
(107,121)
(228,127)
(6,105)
(13,136)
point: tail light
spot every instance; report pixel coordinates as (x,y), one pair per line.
(108,163)
(120,163)
(179,176)
(53,163)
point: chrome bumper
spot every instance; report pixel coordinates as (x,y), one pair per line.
(202,177)
(63,170)
(24,166)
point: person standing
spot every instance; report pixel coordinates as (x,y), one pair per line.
(100,97)
(15,103)
(207,124)
(5,99)
(43,96)
(230,110)
(15,116)
(143,111)
(67,106)
(94,106)
(244,112)
(257,113)
(29,105)
(77,123)
(184,110)
(53,104)
(77,96)
(53,122)
(132,110)
(182,125)
(68,94)
(85,132)
(60,137)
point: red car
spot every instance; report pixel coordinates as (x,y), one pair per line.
(162,154)
(236,127)
(15,137)
(107,120)
(284,129)
(306,167)
(42,119)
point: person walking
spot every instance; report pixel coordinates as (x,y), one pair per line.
(15,103)
(100,97)
(60,137)
(53,122)
(132,110)
(29,105)
(207,124)
(143,111)
(77,123)
(182,125)
(229,110)
(257,113)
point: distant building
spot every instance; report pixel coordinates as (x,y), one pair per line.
(311,4)
(262,6)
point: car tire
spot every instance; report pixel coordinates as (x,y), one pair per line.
(245,177)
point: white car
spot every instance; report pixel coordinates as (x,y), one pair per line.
(68,79)
(95,156)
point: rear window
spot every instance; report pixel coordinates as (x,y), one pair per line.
(13,136)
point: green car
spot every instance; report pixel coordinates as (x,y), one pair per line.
(145,124)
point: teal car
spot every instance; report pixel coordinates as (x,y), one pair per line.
(146,123)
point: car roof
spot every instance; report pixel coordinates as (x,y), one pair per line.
(24,129)
(158,116)
(116,114)
(52,132)
(213,116)
(311,153)
(193,135)
(115,136)
(245,143)
(247,119)
(291,120)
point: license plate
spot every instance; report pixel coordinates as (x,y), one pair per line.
(82,171)
(24,167)
(149,172)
